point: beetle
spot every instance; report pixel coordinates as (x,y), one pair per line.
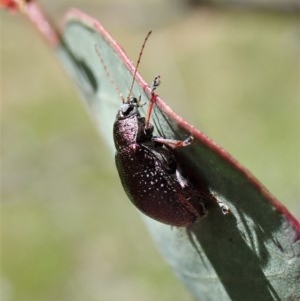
(149,172)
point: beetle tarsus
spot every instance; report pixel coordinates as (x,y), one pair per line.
(224,208)
(156,82)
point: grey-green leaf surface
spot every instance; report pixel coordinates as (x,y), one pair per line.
(251,254)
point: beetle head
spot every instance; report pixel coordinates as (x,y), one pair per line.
(129,108)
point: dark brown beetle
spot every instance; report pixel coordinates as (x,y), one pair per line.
(149,173)
(148,170)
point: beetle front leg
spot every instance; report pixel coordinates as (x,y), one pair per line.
(154,85)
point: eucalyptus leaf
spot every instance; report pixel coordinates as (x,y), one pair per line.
(250,254)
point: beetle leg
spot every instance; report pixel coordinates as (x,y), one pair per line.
(154,85)
(181,179)
(173,143)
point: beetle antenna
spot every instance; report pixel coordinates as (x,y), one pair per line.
(108,73)
(137,64)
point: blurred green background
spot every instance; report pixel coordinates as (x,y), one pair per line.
(68,231)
